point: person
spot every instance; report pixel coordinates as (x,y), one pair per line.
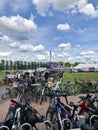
(46,75)
(33,78)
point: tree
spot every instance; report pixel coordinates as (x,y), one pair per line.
(61,63)
(1,66)
(67,64)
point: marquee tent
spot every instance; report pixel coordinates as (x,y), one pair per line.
(85,68)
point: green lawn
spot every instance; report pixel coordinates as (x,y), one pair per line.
(2,74)
(92,76)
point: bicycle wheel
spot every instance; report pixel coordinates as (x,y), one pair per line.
(25,97)
(33,93)
(73,89)
(50,115)
(6,93)
(94,120)
(38,95)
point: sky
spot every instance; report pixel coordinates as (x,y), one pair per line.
(30,29)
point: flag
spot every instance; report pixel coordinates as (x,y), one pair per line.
(53,65)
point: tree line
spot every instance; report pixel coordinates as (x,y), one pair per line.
(22,65)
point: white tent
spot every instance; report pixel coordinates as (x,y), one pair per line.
(85,68)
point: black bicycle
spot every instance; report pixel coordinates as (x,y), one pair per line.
(23,117)
(41,92)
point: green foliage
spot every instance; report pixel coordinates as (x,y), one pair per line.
(1,66)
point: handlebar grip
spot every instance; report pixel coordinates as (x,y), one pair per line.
(17,103)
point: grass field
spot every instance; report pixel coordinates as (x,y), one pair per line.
(92,76)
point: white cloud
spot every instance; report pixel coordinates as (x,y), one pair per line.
(38,48)
(76,6)
(89,10)
(65,46)
(87,53)
(66,54)
(60,55)
(5,54)
(14,45)
(17,23)
(88,56)
(41,6)
(63,55)
(25,47)
(41,57)
(5,39)
(29,47)
(70,58)
(63,27)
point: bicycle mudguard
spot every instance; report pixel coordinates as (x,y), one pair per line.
(4,127)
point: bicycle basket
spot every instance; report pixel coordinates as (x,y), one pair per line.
(29,116)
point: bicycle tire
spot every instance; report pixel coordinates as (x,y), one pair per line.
(52,116)
(5,93)
(22,99)
(25,97)
(94,120)
(33,94)
(38,95)
(41,99)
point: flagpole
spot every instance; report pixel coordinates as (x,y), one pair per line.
(50,56)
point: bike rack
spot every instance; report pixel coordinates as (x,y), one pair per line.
(66,119)
(26,124)
(4,127)
(92,118)
(47,121)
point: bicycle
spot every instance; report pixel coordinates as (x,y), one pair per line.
(41,92)
(88,108)
(9,92)
(59,113)
(23,117)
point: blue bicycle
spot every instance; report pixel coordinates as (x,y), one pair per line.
(60,114)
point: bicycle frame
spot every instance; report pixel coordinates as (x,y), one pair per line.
(70,117)
(16,119)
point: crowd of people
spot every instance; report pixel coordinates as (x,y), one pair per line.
(32,76)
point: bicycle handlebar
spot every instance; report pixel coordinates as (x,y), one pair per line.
(85,97)
(56,94)
(18,104)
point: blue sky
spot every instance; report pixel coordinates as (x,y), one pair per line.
(30,29)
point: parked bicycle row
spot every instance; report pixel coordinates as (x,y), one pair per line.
(60,115)
(27,88)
